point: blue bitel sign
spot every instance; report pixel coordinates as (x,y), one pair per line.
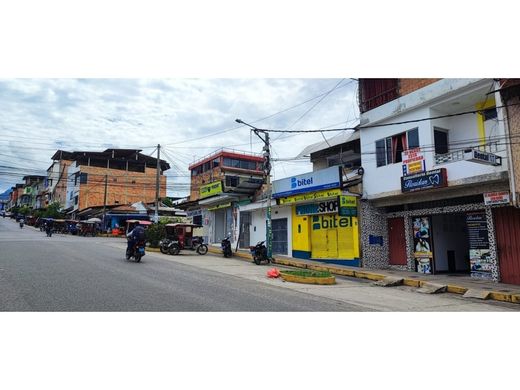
(424,181)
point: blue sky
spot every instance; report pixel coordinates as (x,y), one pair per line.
(190,118)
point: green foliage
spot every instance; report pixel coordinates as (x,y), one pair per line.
(309,273)
(25,210)
(154,233)
(167,202)
(165,220)
(53,211)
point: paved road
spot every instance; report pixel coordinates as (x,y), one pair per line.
(69,273)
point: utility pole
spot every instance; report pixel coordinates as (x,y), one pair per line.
(157,179)
(105,203)
(267,171)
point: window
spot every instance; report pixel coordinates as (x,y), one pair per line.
(231,181)
(75,200)
(216,162)
(242,164)
(441,140)
(490,113)
(83,177)
(389,150)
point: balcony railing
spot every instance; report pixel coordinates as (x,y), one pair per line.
(459,155)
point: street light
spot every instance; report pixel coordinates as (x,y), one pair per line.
(267,172)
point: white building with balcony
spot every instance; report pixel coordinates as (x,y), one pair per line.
(432,152)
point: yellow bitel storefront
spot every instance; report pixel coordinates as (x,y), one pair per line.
(326,237)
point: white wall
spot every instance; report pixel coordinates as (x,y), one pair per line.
(258,221)
(386,179)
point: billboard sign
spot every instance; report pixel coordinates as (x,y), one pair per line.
(210,189)
(424,181)
(308,182)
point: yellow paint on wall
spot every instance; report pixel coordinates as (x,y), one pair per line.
(334,237)
(480,118)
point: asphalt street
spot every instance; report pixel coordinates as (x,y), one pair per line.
(70,273)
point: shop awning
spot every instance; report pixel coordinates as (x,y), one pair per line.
(218,199)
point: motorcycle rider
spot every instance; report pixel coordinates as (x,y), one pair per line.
(134,236)
(22,221)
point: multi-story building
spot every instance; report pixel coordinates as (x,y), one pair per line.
(16,195)
(57,178)
(436,176)
(34,185)
(219,183)
(109,178)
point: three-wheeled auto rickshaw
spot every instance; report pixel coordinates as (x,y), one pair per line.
(87,228)
(131,223)
(181,236)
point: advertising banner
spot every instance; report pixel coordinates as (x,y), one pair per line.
(312,181)
(347,206)
(210,189)
(422,244)
(424,181)
(493,198)
(479,252)
(310,196)
(325,207)
(413,162)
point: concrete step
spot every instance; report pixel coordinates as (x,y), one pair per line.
(389,281)
(431,288)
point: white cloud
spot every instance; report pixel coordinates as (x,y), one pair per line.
(39,116)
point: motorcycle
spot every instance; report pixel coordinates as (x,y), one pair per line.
(226,247)
(48,231)
(21,225)
(164,245)
(137,251)
(259,252)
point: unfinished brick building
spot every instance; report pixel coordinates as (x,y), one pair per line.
(109,178)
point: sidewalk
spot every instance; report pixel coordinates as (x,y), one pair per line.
(456,284)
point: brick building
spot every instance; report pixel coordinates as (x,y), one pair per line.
(219,182)
(122,176)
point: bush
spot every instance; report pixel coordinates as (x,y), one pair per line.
(155,233)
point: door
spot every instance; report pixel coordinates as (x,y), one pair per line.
(220,225)
(396,242)
(280,236)
(507,230)
(245,235)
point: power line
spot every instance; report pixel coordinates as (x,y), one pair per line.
(387,124)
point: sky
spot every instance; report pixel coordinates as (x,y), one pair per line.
(189,117)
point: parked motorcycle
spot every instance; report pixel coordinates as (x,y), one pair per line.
(137,251)
(164,245)
(199,246)
(259,252)
(226,247)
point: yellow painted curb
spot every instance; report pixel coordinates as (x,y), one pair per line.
(368,275)
(344,272)
(153,249)
(456,289)
(307,280)
(515,298)
(411,282)
(500,296)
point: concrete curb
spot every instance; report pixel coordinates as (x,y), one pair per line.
(307,279)
(453,289)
